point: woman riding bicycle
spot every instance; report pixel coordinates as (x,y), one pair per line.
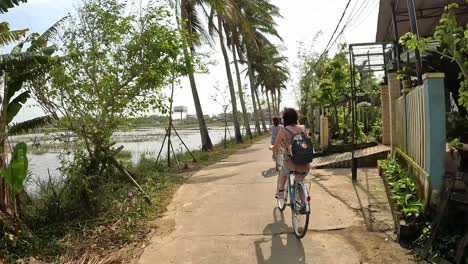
(285,135)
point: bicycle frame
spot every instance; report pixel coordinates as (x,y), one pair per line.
(292,194)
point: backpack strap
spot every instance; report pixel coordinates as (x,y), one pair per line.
(289,131)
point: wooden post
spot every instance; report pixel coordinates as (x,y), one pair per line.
(324,132)
(393,94)
(434,108)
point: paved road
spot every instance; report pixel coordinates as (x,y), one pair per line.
(226,214)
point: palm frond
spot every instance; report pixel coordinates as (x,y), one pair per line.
(41,41)
(7,4)
(212,30)
(23,57)
(191,22)
(7,37)
(27,126)
(15,105)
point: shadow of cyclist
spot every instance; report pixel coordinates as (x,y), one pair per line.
(283,251)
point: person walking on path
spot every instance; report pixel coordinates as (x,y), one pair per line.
(274,130)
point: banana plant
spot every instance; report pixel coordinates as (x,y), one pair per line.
(17,170)
(26,62)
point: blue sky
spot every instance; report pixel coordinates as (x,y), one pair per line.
(301,20)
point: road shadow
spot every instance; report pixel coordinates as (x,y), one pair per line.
(289,250)
(206,179)
(366,193)
(270,173)
(226,164)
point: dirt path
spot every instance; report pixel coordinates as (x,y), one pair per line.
(226,214)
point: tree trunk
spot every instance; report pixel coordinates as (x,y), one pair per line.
(252,91)
(279,102)
(273,104)
(4,189)
(270,116)
(261,111)
(205,137)
(237,131)
(241,92)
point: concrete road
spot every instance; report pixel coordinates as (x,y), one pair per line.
(226,213)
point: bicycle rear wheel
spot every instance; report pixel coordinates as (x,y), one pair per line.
(300,210)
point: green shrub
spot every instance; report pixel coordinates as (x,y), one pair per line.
(377,129)
(403,190)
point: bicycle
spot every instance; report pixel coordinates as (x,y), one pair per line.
(300,208)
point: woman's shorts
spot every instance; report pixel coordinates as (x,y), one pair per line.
(285,172)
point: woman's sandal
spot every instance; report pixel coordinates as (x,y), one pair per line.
(280,192)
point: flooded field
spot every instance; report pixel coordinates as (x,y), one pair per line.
(138,142)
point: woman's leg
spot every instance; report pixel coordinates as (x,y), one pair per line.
(282,179)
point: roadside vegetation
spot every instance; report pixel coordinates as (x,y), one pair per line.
(403,191)
(60,229)
(324,89)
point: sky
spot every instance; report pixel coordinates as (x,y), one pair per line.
(302,20)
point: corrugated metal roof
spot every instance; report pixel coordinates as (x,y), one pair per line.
(428,14)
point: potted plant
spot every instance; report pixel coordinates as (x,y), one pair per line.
(404,75)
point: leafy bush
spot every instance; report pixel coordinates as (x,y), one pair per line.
(457,126)
(377,129)
(403,191)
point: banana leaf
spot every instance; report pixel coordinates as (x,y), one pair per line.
(17,170)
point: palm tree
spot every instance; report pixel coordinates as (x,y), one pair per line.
(260,15)
(237,132)
(234,42)
(191,24)
(272,74)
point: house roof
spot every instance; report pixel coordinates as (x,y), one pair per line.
(428,13)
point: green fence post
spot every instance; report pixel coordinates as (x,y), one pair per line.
(434,108)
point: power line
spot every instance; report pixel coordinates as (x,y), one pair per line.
(353,19)
(336,29)
(364,17)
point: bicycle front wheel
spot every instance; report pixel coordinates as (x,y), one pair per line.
(300,210)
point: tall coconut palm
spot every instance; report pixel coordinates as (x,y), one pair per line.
(271,75)
(237,132)
(233,38)
(190,23)
(260,15)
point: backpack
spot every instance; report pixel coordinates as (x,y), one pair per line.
(301,151)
